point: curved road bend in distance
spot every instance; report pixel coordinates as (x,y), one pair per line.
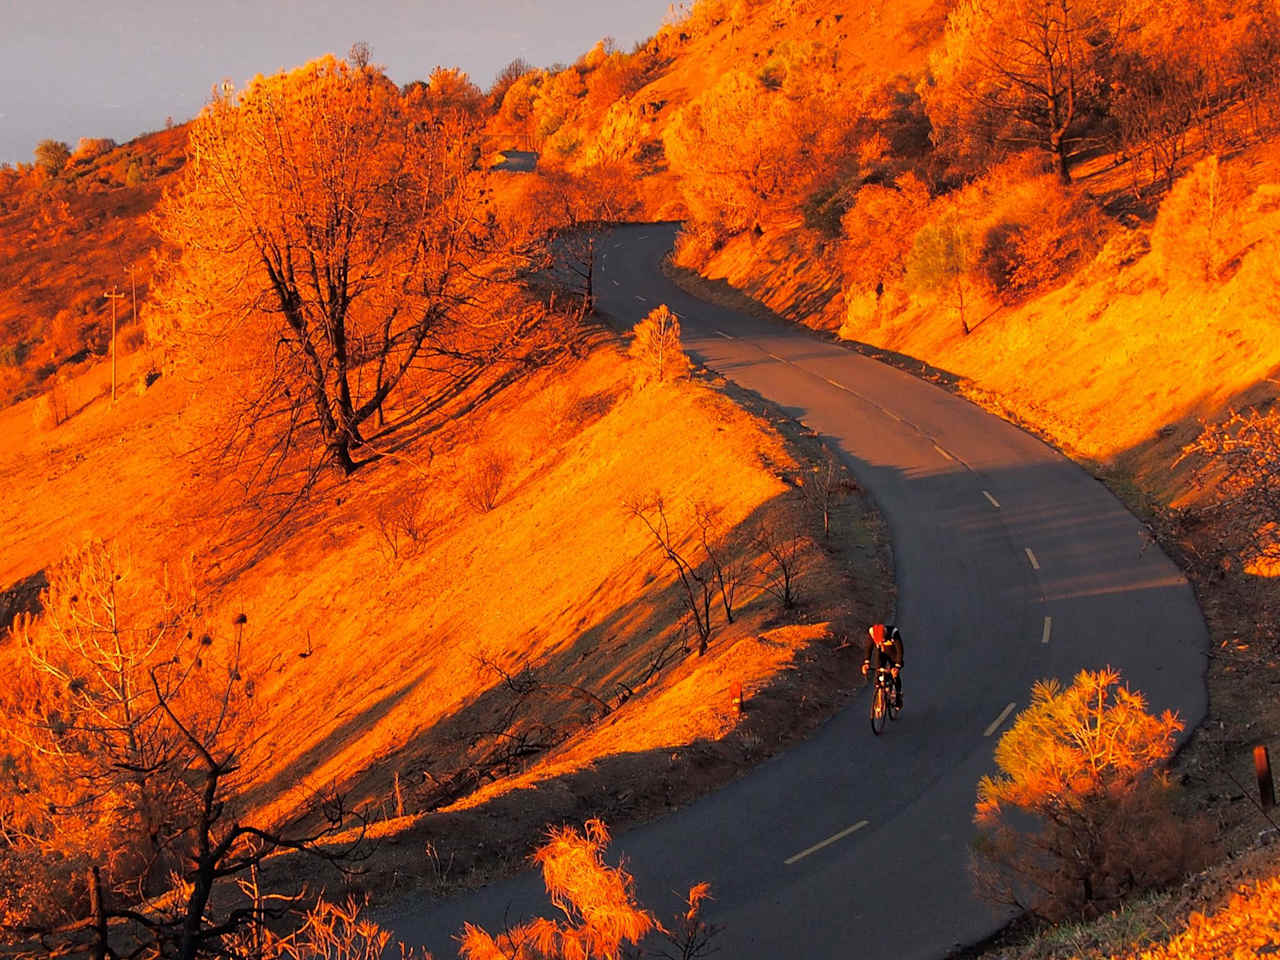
(1013,565)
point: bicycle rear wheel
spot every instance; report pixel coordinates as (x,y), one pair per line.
(879,709)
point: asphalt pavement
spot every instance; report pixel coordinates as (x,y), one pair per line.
(1013,565)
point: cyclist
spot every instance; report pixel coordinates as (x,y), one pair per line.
(884,644)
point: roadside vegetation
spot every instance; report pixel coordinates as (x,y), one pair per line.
(414,469)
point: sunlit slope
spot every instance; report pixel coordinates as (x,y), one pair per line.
(64,242)
(1137,346)
(370,665)
(868,42)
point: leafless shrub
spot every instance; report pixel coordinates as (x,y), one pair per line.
(724,555)
(402,528)
(780,540)
(484,483)
(697,584)
(823,486)
(1240,460)
(690,936)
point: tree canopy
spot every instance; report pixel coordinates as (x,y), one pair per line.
(334,230)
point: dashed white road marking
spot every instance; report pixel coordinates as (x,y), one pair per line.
(943,452)
(614,282)
(1048,626)
(892,415)
(836,383)
(1035,564)
(641,299)
(725,335)
(776,357)
(827,842)
(994,502)
(995,724)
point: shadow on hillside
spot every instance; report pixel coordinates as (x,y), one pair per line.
(529,708)
(968,590)
(21,598)
(302,492)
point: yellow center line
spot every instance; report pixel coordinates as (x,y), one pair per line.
(827,842)
(995,724)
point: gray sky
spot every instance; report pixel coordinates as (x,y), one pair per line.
(118,68)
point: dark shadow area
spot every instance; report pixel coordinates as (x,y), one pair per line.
(21,598)
(304,490)
(517,161)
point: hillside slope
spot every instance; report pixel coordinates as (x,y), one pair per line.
(382,655)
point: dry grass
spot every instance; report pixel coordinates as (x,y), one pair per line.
(383,673)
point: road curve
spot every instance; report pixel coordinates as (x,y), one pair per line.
(1013,564)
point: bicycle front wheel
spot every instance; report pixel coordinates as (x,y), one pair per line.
(879,710)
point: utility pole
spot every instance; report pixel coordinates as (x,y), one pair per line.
(113,295)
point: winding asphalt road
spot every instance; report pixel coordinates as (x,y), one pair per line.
(1013,565)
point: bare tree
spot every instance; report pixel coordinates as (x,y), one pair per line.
(780,541)
(822,488)
(723,553)
(697,584)
(129,721)
(691,936)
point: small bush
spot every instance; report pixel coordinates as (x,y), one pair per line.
(656,344)
(89,149)
(1081,812)
(1041,234)
(486,479)
(402,528)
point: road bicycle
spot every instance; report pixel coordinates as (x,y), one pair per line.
(883,703)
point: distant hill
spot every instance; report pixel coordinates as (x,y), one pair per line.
(65,240)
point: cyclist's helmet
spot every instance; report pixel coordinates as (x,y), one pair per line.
(877,633)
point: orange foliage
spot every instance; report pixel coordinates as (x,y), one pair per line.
(1247,925)
(1086,763)
(656,343)
(335,232)
(878,230)
(598,903)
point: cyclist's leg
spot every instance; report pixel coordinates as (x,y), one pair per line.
(897,689)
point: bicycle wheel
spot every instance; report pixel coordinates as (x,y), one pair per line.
(879,709)
(892,700)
